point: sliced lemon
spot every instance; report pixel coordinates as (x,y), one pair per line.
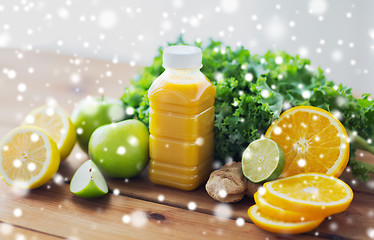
(29,157)
(312,139)
(309,193)
(57,124)
(276,226)
(280,213)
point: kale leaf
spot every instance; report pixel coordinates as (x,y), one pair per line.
(252,90)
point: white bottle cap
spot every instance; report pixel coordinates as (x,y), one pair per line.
(182,57)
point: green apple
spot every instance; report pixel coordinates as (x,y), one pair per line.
(93,112)
(88,181)
(120,150)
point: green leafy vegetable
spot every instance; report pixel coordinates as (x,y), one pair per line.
(253,90)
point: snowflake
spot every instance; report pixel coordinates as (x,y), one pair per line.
(10,73)
(177,3)
(63,13)
(222,193)
(318,7)
(337,55)
(306,94)
(58,179)
(75,78)
(261,191)
(304,52)
(126,219)
(108,18)
(116,191)
(370,233)
(222,211)
(240,222)
(116,113)
(6,229)
(279,60)
(121,150)
(265,93)
(277,130)
(17,212)
(130,110)
(139,219)
(276,29)
(301,162)
(78,156)
(79,131)
(161,197)
(229,6)
(371,33)
(199,141)
(194,21)
(191,206)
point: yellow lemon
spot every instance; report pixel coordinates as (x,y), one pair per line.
(29,157)
(57,124)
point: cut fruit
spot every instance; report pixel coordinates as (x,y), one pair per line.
(276,226)
(309,193)
(312,139)
(280,213)
(57,124)
(88,181)
(263,160)
(29,157)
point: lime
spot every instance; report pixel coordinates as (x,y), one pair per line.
(263,160)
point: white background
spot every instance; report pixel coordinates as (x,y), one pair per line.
(337,35)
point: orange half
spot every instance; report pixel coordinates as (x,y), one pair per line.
(312,139)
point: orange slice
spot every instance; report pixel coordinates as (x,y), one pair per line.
(29,157)
(309,193)
(280,213)
(271,224)
(57,124)
(312,139)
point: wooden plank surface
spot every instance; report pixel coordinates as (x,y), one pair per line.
(11,231)
(52,212)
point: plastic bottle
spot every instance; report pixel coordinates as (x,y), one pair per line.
(181,121)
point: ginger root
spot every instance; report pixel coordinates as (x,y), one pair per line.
(228,184)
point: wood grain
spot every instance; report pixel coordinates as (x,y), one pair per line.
(10,231)
(53,212)
(361,209)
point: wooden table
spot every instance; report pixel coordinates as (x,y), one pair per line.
(155,212)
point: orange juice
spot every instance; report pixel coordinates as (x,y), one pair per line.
(181,121)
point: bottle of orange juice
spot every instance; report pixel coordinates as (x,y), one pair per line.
(181,121)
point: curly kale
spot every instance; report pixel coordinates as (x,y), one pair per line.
(252,90)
